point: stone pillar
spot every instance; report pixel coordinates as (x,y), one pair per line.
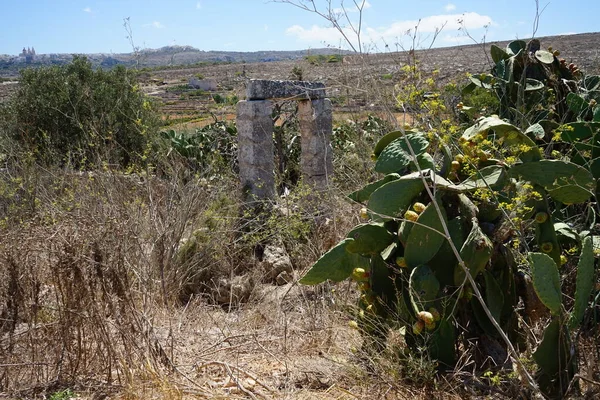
(315,128)
(255,149)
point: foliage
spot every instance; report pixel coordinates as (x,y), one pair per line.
(208,150)
(322,59)
(437,230)
(62,395)
(536,86)
(75,115)
(297,74)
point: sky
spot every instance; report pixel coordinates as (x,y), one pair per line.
(96,26)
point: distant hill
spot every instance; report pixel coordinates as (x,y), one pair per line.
(583,49)
(168,55)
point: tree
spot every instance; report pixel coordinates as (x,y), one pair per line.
(74,115)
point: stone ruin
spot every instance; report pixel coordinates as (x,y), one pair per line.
(255,135)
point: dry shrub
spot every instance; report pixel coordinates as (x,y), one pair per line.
(85,260)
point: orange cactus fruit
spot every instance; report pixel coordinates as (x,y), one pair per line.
(435,313)
(417,327)
(359,274)
(426,317)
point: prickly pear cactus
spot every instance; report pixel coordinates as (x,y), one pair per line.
(477,209)
(585,282)
(475,253)
(426,236)
(546,281)
(423,287)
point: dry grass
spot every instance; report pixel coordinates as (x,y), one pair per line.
(90,298)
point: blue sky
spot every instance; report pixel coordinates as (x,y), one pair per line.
(88,26)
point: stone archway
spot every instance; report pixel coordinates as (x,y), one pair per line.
(255,135)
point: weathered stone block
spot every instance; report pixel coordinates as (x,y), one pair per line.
(259,89)
(255,149)
(316,123)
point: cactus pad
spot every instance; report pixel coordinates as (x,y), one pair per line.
(546,281)
(423,288)
(336,265)
(585,282)
(396,156)
(426,236)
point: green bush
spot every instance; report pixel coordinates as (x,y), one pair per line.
(75,115)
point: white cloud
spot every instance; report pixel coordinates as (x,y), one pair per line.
(450,7)
(392,33)
(87,10)
(314,34)
(198,5)
(155,24)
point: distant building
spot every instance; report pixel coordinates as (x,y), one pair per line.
(28,54)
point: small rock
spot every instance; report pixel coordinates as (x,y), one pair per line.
(275,261)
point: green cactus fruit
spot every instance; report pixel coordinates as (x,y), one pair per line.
(364,213)
(563,259)
(359,274)
(423,288)
(401,262)
(353,324)
(541,217)
(547,247)
(419,207)
(546,281)
(426,237)
(475,252)
(454,166)
(411,216)
(585,282)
